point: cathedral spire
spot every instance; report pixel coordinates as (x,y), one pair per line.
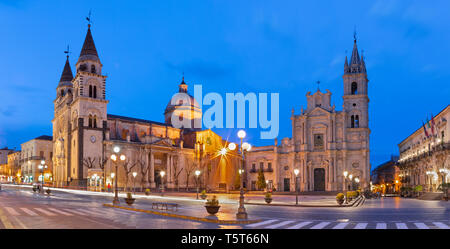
(355,55)
(89,52)
(66,76)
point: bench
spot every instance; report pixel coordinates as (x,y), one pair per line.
(164,205)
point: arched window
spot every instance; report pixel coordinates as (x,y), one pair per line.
(92,69)
(62,92)
(95,121)
(95,92)
(356,121)
(90,121)
(354,88)
(352,121)
(90,91)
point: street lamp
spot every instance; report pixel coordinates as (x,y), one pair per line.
(357,182)
(197,173)
(351,181)
(134,181)
(112,177)
(162,173)
(296,171)
(242,214)
(345,185)
(114,158)
(41,167)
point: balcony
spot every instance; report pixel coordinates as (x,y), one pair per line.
(434,149)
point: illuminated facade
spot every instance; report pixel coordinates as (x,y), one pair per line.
(325,142)
(425,160)
(84,135)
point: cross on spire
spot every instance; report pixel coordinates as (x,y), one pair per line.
(88,18)
(67,52)
(318,83)
(354,34)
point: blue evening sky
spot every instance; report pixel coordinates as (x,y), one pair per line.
(228,46)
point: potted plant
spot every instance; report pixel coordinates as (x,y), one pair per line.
(129,200)
(340,198)
(48,191)
(418,189)
(203,194)
(268,197)
(349,195)
(445,187)
(147,191)
(212,205)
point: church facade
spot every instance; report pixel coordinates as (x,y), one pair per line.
(325,142)
(84,135)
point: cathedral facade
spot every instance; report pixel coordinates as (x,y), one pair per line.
(84,135)
(325,142)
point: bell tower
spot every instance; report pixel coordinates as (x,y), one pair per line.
(88,111)
(356,100)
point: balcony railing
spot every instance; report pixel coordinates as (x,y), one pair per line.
(436,148)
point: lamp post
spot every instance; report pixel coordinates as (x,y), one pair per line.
(197,173)
(114,158)
(112,177)
(134,181)
(41,167)
(351,181)
(242,214)
(345,185)
(162,173)
(357,182)
(296,171)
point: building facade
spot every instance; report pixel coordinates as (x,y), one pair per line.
(84,135)
(425,154)
(325,142)
(386,177)
(33,153)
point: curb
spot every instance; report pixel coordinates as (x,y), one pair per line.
(293,205)
(185,216)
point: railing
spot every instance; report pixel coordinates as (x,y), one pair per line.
(436,148)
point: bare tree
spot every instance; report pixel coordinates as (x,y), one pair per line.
(190,166)
(128,167)
(89,162)
(143,167)
(176,174)
(101,164)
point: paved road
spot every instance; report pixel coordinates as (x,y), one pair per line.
(21,208)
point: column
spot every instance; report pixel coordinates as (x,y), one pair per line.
(152,170)
(168,173)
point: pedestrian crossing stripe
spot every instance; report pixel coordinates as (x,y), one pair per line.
(60,212)
(361,226)
(401,226)
(280,224)
(261,223)
(292,224)
(29,212)
(12,211)
(300,225)
(45,212)
(421,226)
(441,225)
(321,225)
(341,225)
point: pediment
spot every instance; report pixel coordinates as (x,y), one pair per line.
(319,111)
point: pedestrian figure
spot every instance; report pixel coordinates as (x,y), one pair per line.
(109,187)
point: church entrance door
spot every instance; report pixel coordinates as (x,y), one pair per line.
(319,179)
(287,184)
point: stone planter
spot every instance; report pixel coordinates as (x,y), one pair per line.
(48,191)
(340,201)
(34,189)
(147,193)
(203,197)
(212,209)
(268,200)
(130,201)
